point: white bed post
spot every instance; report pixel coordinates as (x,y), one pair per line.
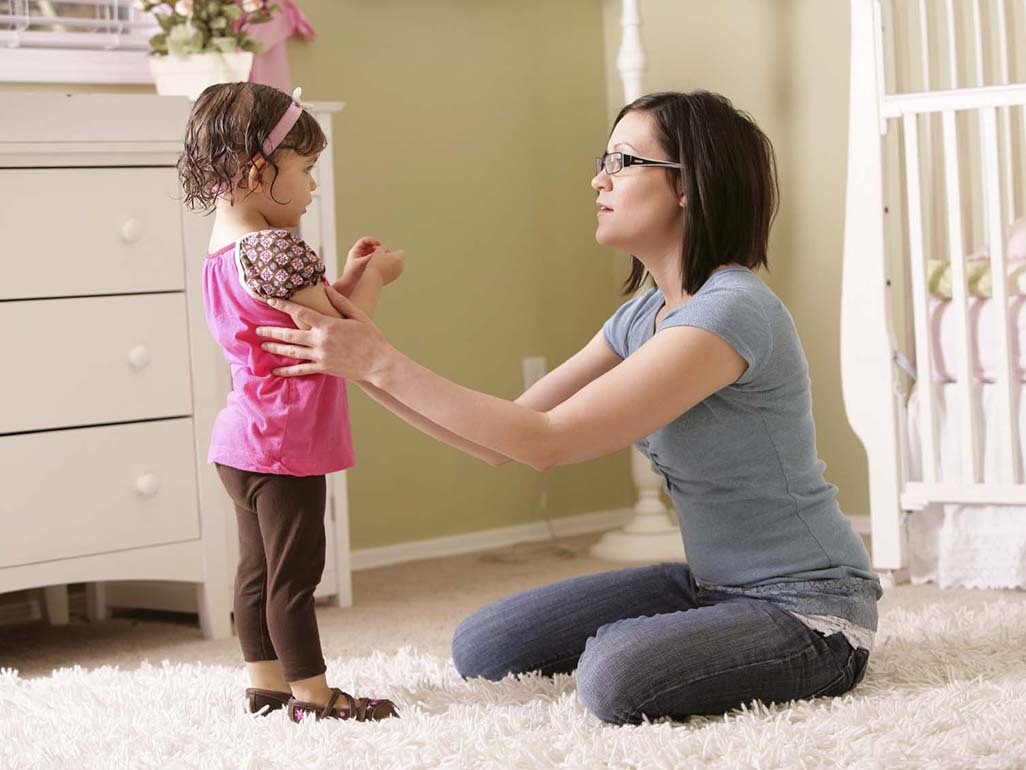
(650,535)
(867,371)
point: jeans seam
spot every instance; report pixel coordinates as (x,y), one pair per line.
(717,673)
(550,661)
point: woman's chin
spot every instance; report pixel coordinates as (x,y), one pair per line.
(605,238)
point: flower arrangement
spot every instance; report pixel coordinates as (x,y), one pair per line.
(206,26)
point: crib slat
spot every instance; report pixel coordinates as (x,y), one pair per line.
(978,38)
(920,306)
(956,253)
(1007,427)
(1008,179)
(924,43)
(952,45)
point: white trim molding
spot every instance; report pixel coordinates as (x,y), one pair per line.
(50,65)
(369,558)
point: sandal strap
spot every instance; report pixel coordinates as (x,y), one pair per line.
(375,709)
(336,693)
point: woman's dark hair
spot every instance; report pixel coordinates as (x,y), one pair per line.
(728,175)
(226,129)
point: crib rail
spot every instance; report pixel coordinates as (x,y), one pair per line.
(913,111)
(938,140)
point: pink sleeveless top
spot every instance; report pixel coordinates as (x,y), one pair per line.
(294,426)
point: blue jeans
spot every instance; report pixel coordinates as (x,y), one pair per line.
(647,641)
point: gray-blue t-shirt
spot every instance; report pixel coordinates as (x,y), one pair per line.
(741,466)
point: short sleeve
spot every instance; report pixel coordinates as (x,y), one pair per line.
(736,317)
(277,263)
(617,329)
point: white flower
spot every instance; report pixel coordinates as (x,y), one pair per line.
(183,7)
(140,4)
(249,6)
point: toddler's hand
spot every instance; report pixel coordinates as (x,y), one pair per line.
(388,264)
(356,262)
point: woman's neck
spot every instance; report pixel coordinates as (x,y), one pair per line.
(669,281)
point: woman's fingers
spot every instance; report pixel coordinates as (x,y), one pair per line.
(343,305)
(300,314)
(285,334)
(298,369)
(289,351)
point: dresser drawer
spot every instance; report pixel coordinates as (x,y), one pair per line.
(95,490)
(93,360)
(75,232)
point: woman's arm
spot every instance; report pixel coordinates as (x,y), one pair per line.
(425,425)
(678,368)
(592,360)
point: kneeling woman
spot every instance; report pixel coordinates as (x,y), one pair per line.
(705,374)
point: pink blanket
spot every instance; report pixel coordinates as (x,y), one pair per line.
(983,325)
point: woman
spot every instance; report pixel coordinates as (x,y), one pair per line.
(706,375)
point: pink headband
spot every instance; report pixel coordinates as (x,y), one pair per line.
(279,132)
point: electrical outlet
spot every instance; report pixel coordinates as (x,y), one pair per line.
(534,368)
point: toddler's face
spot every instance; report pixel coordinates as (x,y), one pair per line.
(292,188)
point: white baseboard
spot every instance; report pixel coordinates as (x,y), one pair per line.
(181,597)
(368,558)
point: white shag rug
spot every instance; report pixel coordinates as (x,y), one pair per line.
(945,688)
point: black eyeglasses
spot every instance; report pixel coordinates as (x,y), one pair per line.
(615,162)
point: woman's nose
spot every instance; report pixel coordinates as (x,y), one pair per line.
(601,181)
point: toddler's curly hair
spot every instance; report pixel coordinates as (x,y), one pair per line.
(226,129)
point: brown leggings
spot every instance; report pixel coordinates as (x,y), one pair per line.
(281,558)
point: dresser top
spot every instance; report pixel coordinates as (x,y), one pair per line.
(73,129)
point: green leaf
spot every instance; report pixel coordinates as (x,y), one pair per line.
(158,43)
(224,44)
(219,23)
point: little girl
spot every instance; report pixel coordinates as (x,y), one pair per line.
(249,151)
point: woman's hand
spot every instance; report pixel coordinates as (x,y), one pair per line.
(351,346)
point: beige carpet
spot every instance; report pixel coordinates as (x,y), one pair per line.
(416,605)
(946,689)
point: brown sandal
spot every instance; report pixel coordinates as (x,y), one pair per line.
(257,699)
(342,705)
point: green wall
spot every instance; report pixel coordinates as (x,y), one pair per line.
(468,139)
(785,62)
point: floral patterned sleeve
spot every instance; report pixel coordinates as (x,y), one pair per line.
(277,263)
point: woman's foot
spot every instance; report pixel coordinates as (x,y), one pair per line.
(342,705)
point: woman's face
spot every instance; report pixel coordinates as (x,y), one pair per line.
(638,211)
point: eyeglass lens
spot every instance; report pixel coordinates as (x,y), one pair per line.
(612,163)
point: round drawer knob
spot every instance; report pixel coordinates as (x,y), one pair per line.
(147,485)
(139,357)
(131,231)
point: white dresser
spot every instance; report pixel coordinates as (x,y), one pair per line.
(110,381)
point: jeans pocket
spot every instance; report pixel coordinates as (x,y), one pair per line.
(851,671)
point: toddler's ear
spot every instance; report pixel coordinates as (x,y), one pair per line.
(254,179)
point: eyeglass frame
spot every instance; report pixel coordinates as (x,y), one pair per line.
(628,160)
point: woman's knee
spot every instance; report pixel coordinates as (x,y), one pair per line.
(475,647)
(607,683)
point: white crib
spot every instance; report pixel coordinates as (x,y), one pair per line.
(937,143)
